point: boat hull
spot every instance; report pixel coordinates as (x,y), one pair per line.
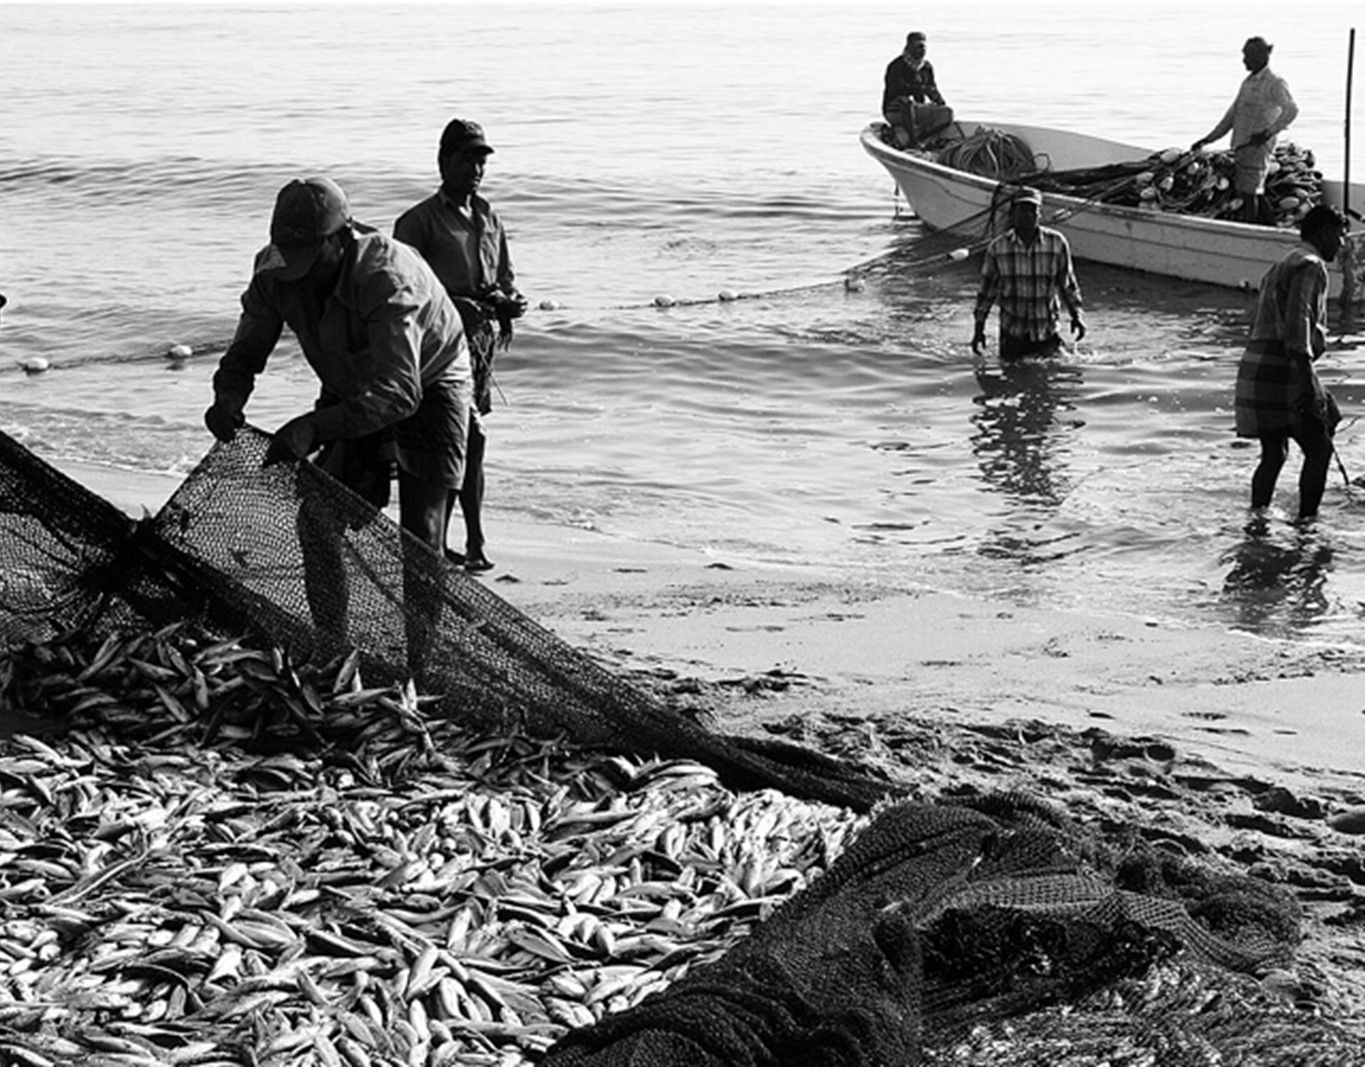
(1189,247)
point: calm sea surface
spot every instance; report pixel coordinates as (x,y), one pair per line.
(670,149)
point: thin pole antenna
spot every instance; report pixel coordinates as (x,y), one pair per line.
(1350,72)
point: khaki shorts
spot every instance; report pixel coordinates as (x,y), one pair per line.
(1252,163)
(429,445)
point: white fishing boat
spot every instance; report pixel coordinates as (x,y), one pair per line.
(1142,238)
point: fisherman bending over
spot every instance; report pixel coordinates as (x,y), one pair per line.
(389,349)
(383,338)
(911,102)
(1262,110)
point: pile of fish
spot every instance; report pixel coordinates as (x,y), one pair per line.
(212,855)
(226,858)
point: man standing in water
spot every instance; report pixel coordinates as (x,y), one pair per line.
(1262,110)
(1279,397)
(461,236)
(1028,270)
(911,102)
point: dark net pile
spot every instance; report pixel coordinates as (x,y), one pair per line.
(289,554)
(942,918)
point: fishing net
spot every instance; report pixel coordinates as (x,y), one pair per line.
(1195,183)
(941,920)
(289,554)
(938,926)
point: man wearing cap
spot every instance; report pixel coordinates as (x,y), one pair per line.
(460,235)
(1279,397)
(1261,111)
(911,102)
(1028,271)
(385,341)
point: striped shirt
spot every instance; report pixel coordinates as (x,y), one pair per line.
(1027,280)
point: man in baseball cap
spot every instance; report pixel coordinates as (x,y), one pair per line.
(457,231)
(385,341)
(1029,272)
(463,135)
(306,214)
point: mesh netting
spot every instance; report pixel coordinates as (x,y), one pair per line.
(938,918)
(288,553)
(938,925)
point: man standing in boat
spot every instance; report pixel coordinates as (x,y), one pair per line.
(1279,397)
(1029,272)
(1262,110)
(911,102)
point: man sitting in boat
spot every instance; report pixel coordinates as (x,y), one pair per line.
(1028,271)
(1262,110)
(911,102)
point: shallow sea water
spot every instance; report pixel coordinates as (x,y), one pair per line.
(657,149)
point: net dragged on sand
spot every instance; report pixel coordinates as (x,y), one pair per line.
(288,553)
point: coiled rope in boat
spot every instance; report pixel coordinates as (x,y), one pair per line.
(990,153)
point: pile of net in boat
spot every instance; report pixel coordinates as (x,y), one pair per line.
(1194,183)
(1191,183)
(1174,180)
(940,921)
(290,555)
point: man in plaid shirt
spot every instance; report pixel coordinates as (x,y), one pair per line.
(1028,271)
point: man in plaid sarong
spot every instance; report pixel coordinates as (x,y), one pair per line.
(1279,397)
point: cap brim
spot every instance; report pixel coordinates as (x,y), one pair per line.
(469,146)
(286,263)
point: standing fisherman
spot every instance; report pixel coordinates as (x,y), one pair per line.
(1028,270)
(460,235)
(1279,397)
(1262,110)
